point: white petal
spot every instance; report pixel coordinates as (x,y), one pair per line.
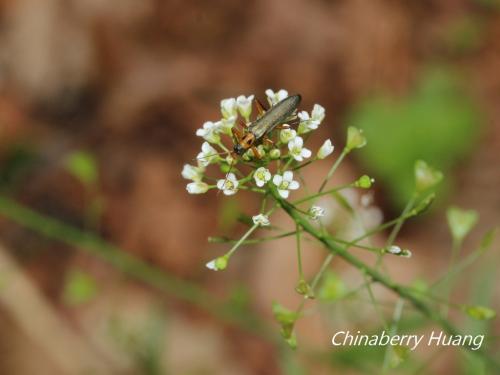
(326,149)
(288,176)
(284,193)
(197,188)
(259,183)
(211,265)
(306,153)
(299,142)
(303,115)
(277,179)
(318,113)
(294,185)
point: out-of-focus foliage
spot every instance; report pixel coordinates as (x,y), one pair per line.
(437,123)
(83,166)
(80,288)
(17,161)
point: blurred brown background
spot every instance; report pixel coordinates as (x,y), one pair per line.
(128,82)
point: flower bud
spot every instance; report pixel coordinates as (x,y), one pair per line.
(426,177)
(355,138)
(364,182)
(275,153)
(325,150)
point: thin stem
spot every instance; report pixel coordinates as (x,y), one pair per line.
(322,270)
(127,263)
(402,291)
(245,236)
(252,241)
(300,166)
(299,253)
(333,169)
(314,196)
(398,310)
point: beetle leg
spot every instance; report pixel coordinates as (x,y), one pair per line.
(236,133)
(256,152)
(283,126)
(267,140)
(242,123)
(260,108)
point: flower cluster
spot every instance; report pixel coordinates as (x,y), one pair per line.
(271,162)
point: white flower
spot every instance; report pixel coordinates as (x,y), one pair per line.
(197,187)
(190,172)
(286,135)
(211,265)
(228,185)
(325,150)
(261,220)
(297,150)
(285,183)
(261,176)
(308,123)
(218,264)
(315,212)
(228,108)
(209,132)
(245,105)
(275,97)
(318,113)
(208,155)
(226,124)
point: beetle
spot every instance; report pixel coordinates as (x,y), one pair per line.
(257,131)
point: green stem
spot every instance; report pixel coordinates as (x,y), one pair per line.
(299,253)
(400,290)
(333,169)
(128,264)
(314,196)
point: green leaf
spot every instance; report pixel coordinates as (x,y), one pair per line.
(487,239)
(332,288)
(461,222)
(80,288)
(479,312)
(83,166)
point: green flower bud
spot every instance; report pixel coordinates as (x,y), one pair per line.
(461,222)
(364,182)
(355,139)
(426,177)
(479,312)
(275,153)
(304,289)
